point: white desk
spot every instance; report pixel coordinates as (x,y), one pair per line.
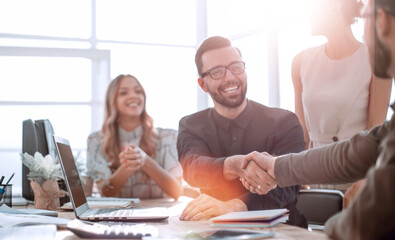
(173,228)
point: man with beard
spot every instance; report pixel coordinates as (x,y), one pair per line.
(212,143)
(371,215)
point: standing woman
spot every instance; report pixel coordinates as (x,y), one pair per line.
(327,114)
(129,157)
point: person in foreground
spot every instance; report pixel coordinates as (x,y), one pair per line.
(212,143)
(371,154)
(129,157)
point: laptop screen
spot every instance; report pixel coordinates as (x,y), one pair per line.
(71,174)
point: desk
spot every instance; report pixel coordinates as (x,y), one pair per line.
(173,227)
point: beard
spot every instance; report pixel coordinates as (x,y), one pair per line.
(382,58)
(233,101)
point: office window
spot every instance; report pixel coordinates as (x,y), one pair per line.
(70,18)
(148,21)
(49,84)
(168,75)
(254,51)
(45,79)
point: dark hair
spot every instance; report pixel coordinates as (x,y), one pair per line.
(210,43)
(386,5)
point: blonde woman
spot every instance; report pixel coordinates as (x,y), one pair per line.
(336,93)
(129,157)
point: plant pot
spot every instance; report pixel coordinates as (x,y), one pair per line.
(46,196)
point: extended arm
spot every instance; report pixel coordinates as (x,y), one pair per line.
(200,168)
(168,183)
(336,163)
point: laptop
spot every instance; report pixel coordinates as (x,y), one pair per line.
(79,201)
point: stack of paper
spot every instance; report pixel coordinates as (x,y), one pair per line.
(259,218)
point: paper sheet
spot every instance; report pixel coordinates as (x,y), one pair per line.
(39,232)
(11,220)
(6,209)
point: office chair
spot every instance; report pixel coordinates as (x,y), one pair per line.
(318,205)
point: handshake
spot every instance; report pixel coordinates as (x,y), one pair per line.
(257,172)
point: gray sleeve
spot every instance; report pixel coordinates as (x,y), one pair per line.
(97,163)
(341,162)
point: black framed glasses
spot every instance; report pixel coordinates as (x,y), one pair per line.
(220,71)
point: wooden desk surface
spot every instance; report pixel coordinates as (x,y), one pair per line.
(173,228)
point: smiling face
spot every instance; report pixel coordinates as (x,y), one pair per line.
(130,98)
(229,91)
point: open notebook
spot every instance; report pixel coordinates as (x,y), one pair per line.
(79,201)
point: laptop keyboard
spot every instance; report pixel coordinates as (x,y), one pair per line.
(119,231)
(110,213)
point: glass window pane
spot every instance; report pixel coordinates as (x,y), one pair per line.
(69,121)
(13,163)
(70,18)
(45,79)
(292,39)
(12,42)
(168,75)
(254,52)
(149,21)
(230,17)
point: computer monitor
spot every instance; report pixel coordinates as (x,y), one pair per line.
(37,137)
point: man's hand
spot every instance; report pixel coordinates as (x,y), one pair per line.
(205,207)
(264,161)
(262,181)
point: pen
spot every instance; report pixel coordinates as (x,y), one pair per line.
(2,190)
(10,179)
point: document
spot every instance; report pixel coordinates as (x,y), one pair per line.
(12,220)
(259,218)
(6,209)
(39,232)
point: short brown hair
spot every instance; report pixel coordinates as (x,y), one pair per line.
(210,43)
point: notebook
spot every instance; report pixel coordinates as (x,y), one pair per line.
(80,203)
(258,218)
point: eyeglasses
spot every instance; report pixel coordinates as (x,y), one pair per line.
(220,71)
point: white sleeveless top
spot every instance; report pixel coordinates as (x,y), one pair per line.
(335,94)
(335,98)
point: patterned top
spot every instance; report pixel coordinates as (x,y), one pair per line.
(139,184)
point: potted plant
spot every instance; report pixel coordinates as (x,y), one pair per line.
(43,175)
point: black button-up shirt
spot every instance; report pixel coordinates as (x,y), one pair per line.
(206,139)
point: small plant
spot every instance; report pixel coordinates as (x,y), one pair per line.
(42,168)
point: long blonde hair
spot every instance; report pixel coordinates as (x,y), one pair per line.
(111,145)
